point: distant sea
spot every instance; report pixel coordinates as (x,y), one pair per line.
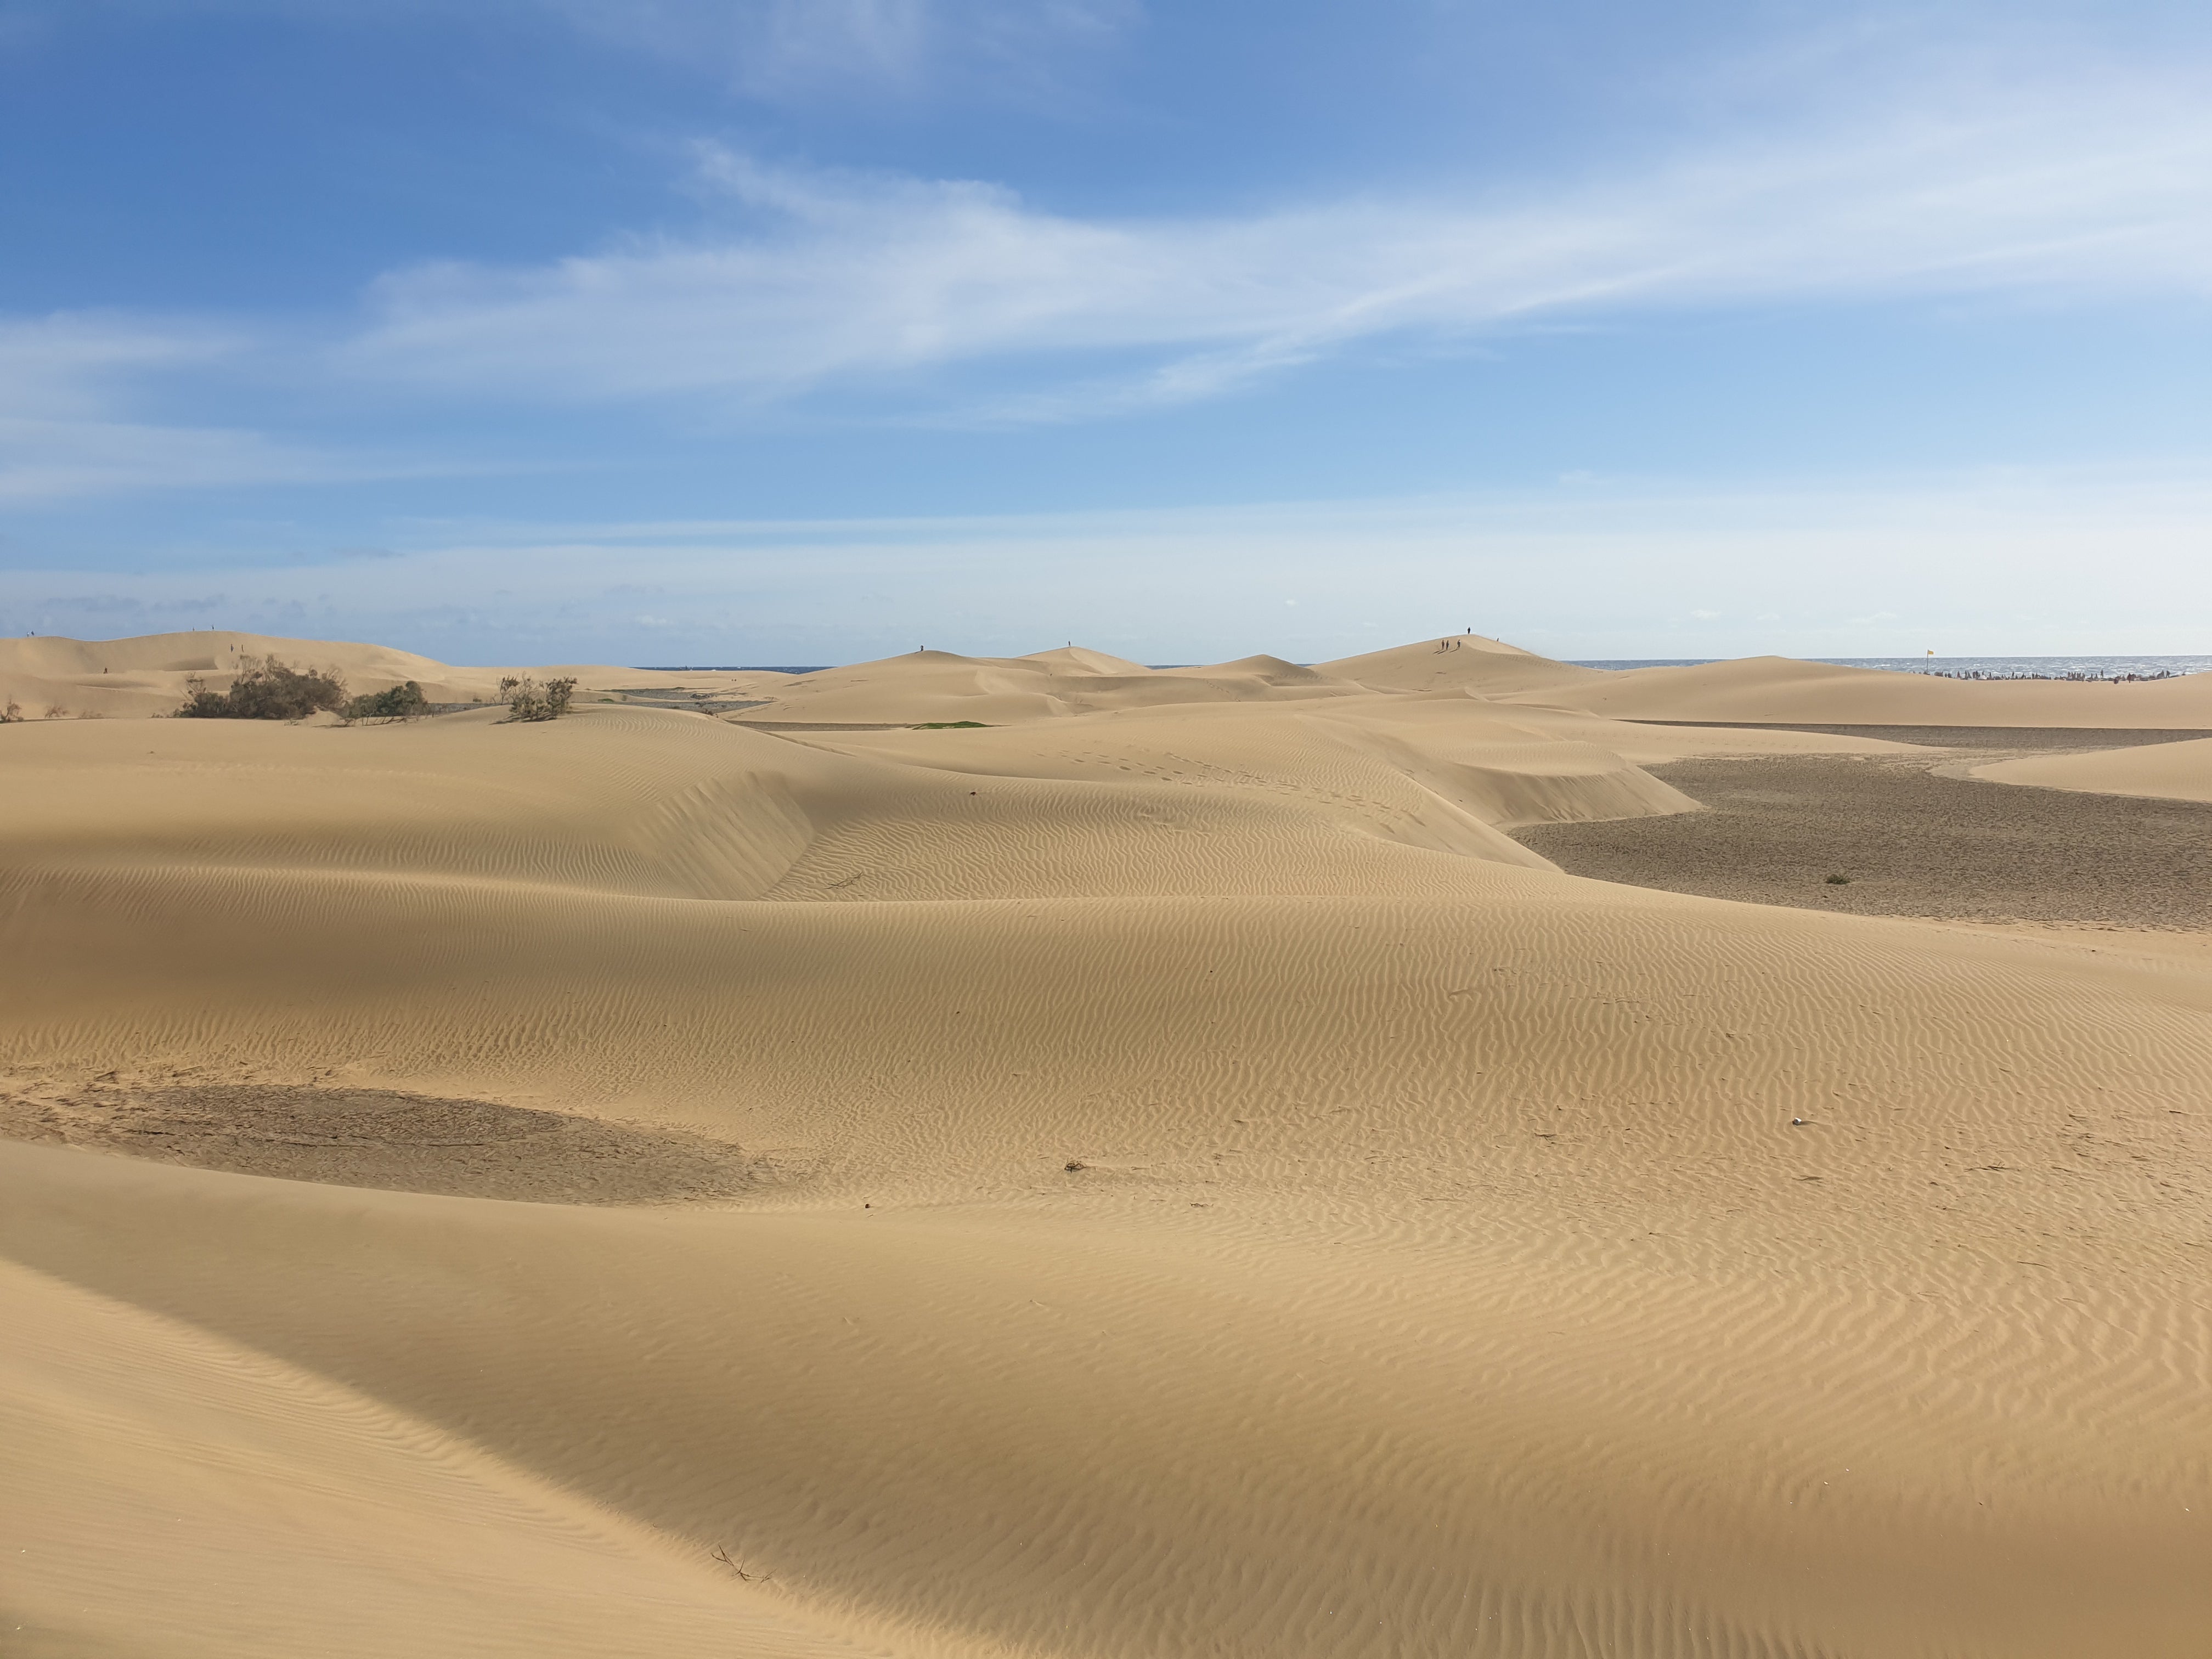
(1995,668)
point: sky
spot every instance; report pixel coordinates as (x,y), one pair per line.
(777,331)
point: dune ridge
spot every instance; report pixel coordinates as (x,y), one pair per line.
(1208,1190)
(2166,771)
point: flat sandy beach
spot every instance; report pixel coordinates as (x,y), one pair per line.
(1407,1155)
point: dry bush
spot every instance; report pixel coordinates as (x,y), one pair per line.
(265,689)
(12,714)
(401,702)
(526,699)
(57,711)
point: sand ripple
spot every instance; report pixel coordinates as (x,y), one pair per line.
(1171,1177)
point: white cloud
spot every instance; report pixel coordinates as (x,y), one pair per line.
(775,49)
(785,49)
(42,460)
(1863,566)
(847,280)
(69,363)
(65,428)
(70,424)
(959,301)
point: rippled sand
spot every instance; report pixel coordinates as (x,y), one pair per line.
(1165,1173)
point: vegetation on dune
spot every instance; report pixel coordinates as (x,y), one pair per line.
(949,725)
(529,701)
(265,689)
(401,702)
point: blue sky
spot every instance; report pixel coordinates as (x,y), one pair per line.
(751,331)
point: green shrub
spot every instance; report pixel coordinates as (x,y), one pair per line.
(950,725)
(265,689)
(401,702)
(526,699)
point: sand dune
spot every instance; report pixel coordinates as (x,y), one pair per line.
(146,676)
(1458,662)
(2166,771)
(243,1506)
(934,686)
(1195,1186)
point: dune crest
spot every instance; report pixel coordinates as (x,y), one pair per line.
(1457,662)
(2167,771)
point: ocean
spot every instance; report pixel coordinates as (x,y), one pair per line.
(1973,668)
(1979,668)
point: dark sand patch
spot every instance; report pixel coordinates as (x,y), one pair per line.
(2022,739)
(383,1137)
(822,726)
(679,698)
(1912,842)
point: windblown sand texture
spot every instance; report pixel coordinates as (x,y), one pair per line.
(2170,771)
(1164,1174)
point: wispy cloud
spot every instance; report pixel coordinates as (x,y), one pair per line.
(70,363)
(779,49)
(846,279)
(72,385)
(774,50)
(66,382)
(960,301)
(46,460)
(1867,566)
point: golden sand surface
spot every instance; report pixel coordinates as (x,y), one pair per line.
(1162,1173)
(2167,771)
